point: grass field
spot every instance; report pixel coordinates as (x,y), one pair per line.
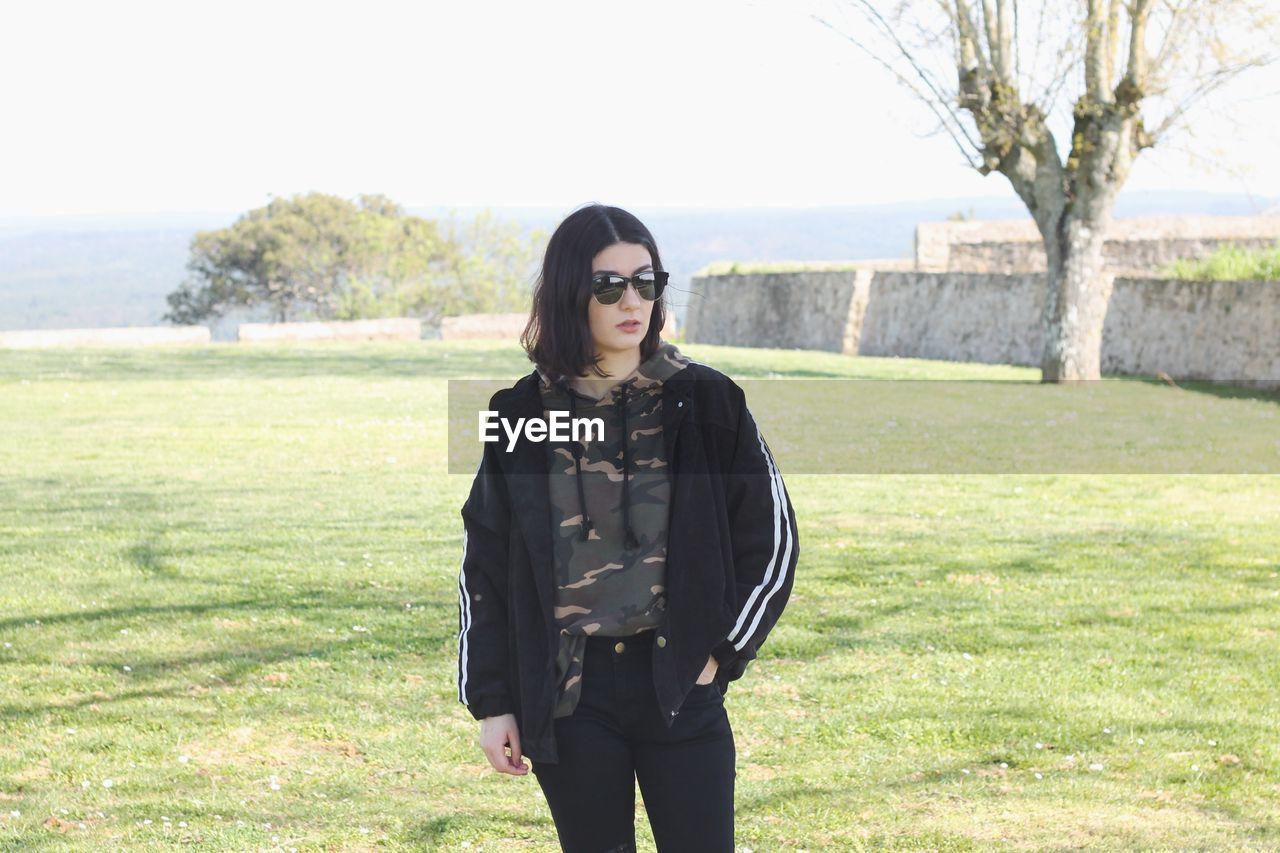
(228,611)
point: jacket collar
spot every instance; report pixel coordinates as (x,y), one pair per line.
(525,396)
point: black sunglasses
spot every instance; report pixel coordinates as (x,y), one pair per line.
(609,287)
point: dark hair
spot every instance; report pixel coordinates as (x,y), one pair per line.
(558,335)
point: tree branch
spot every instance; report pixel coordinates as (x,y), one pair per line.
(971,50)
(1130,90)
(935,100)
(1017,46)
(1113,44)
(993,38)
(1210,83)
(1067,58)
(1172,33)
(1004,21)
(1093,52)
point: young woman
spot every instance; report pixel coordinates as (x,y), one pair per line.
(611,587)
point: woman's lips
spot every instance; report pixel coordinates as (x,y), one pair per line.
(630,326)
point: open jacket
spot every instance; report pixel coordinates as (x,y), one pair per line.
(731,557)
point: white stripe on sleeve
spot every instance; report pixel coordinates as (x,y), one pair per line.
(781,527)
(464,621)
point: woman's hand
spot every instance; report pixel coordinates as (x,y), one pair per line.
(708,671)
(495,734)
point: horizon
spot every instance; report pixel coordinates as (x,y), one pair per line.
(1010,203)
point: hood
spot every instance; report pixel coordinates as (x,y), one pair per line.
(646,379)
(665,362)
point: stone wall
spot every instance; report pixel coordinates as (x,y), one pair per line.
(109,337)
(389,329)
(1227,331)
(466,327)
(508,327)
(954,317)
(1135,245)
(808,309)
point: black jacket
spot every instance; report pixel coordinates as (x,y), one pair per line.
(732,549)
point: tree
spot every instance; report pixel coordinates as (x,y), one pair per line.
(493,264)
(318,256)
(1136,68)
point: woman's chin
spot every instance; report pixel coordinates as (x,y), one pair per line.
(623,342)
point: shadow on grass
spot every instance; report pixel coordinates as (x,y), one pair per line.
(407,360)
(769,798)
(150,556)
(422,633)
(294,602)
(1247,390)
(223,667)
(847,631)
(230,667)
(494,827)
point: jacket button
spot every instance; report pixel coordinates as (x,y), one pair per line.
(618,648)
(662,641)
(679,404)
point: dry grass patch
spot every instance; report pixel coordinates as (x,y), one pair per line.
(247,746)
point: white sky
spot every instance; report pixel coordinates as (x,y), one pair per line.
(115,107)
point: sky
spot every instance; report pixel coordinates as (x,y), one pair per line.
(133,107)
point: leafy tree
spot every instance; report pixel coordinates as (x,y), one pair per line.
(992,71)
(493,267)
(319,256)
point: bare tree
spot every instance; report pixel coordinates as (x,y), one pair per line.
(992,72)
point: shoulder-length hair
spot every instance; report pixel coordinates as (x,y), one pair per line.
(558,335)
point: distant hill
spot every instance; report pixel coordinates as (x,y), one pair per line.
(89,272)
(74,279)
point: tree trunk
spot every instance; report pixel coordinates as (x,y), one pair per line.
(1075,306)
(1071,204)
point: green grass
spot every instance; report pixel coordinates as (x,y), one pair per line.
(267,538)
(1229,262)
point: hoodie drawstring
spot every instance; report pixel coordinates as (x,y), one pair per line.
(631,540)
(587,523)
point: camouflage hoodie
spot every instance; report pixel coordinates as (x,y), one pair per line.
(609,533)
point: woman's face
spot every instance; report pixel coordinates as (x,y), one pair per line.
(621,326)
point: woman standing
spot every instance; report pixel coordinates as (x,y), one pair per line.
(612,587)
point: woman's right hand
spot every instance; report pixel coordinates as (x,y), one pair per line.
(496,733)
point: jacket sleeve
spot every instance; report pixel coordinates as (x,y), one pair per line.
(483,684)
(765,545)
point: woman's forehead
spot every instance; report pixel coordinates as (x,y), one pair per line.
(622,258)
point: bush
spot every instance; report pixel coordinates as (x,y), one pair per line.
(1229,262)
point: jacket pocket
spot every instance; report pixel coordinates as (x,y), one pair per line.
(703,694)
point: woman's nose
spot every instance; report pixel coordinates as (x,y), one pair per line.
(631,296)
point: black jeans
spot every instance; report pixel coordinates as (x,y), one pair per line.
(616,736)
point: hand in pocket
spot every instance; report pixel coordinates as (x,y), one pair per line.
(708,671)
